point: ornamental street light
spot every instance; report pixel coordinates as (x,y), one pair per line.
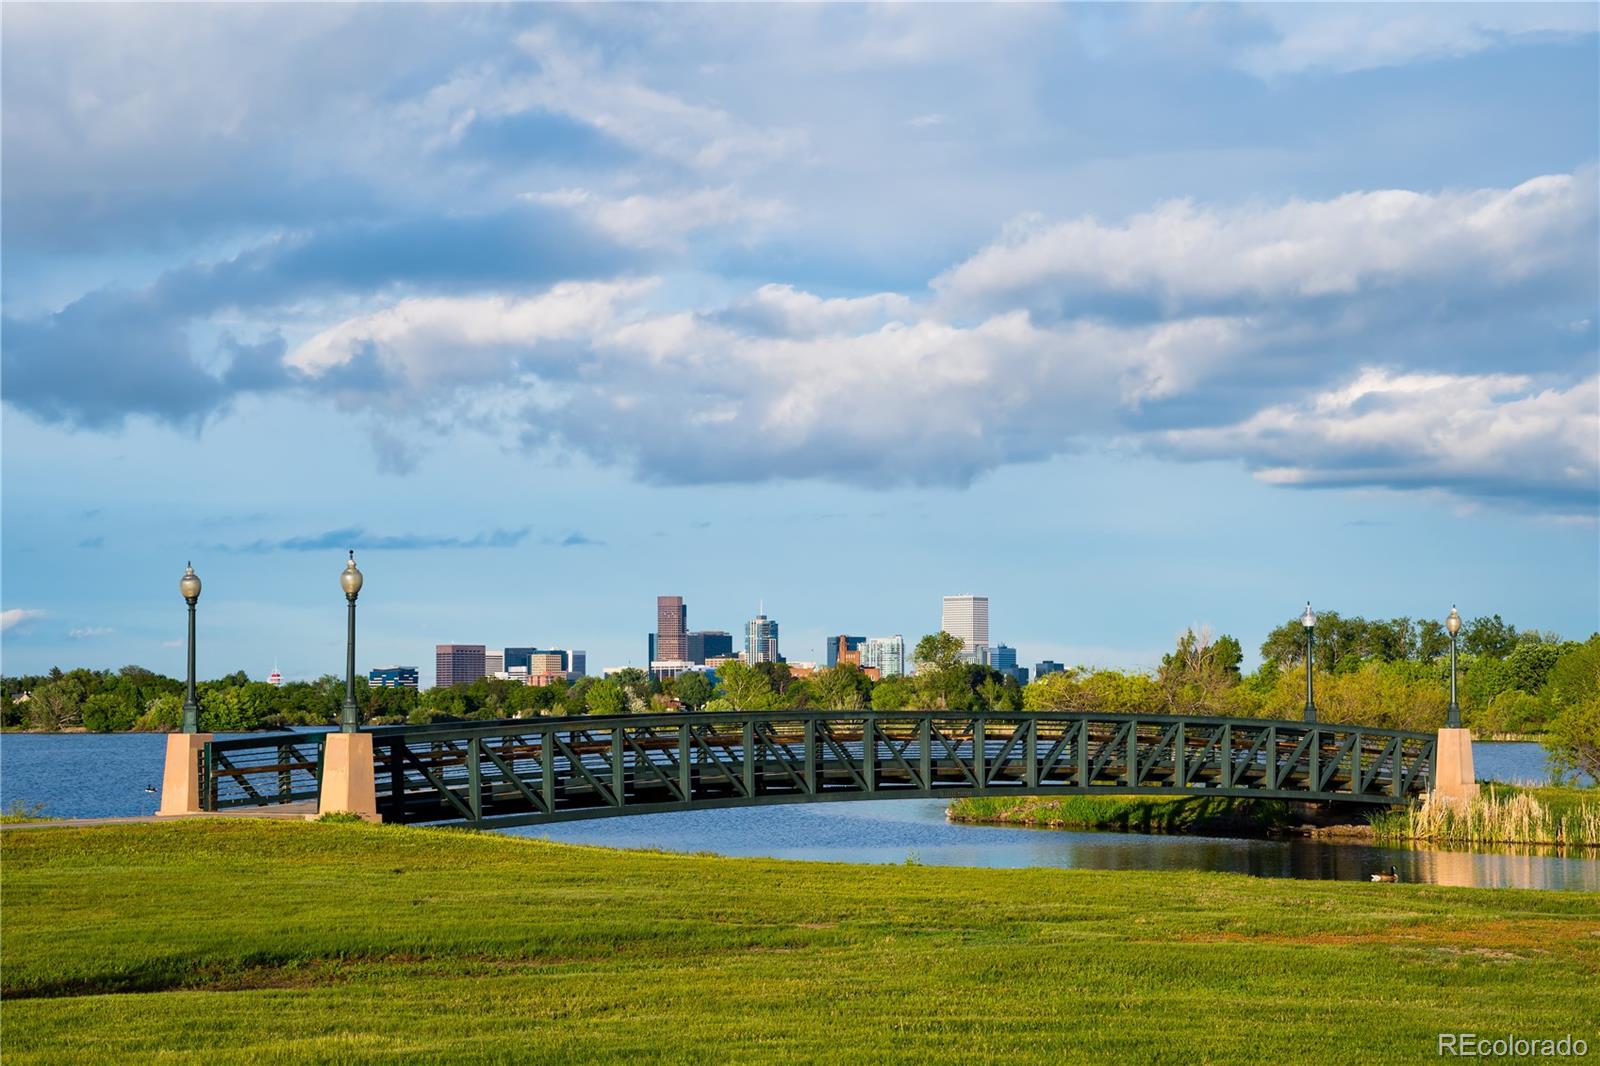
(189,585)
(1309,620)
(350,581)
(1453,624)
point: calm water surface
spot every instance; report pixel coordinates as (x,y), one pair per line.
(49,769)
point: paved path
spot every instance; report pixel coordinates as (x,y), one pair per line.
(288,811)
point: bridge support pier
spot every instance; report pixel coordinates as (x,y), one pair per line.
(348,781)
(180,780)
(1453,777)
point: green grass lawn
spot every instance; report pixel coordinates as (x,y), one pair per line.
(237,941)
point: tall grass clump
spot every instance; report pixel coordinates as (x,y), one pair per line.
(1494,816)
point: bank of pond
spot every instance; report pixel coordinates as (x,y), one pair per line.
(1500,815)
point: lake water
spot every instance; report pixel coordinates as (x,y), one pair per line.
(47,769)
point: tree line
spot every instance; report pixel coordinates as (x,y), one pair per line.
(1390,673)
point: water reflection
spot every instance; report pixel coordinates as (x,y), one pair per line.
(892,831)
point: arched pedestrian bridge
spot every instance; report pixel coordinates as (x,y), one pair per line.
(529,771)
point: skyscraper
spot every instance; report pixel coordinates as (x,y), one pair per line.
(844,649)
(517,657)
(494,662)
(761,640)
(1046,668)
(547,663)
(577,663)
(672,628)
(887,654)
(709,644)
(392,677)
(457,664)
(967,617)
(1004,659)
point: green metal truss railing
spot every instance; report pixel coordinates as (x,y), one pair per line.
(527,771)
(554,769)
(260,771)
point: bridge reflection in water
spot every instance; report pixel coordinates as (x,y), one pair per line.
(531,771)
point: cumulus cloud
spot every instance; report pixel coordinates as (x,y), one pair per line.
(117,352)
(1496,436)
(431,343)
(883,388)
(783,310)
(1181,256)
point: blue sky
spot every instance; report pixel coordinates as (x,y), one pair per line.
(1130,317)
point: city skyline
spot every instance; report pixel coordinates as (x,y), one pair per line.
(1133,318)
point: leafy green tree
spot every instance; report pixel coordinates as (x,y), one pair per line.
(841,688)
(694,689)
(745,687)
(1060,691)
(941,677)
(1574,677)
(162,714)
(1197,675)
(1433,640)
(109,712)
(1488,637)
(1573,739)
(896,693)
(1530,663)
(606,697)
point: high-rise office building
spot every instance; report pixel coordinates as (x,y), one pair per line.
(761,640)
(1046,668)
(1004,659)
(457,664)
(494,662)
(967,617)
(577,663)
(887,655)
(844,649)
(392,677)
(672,629)
(709,644)
(547,663)
(517,657)
(650,644)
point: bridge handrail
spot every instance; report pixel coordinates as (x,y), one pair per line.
(676,718)
(261,770)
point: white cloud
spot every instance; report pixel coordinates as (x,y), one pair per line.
(791,312)
(443,342)
(575,81)
(665,221)
(1185,255)
(884,388)
(15,616)
(1345,38)
(1488,436)
(90,632)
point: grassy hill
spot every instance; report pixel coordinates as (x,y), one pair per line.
(243,941)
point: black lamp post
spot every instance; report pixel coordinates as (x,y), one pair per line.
(350,581)
(1309,620)
(1453,624)
(189,585)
